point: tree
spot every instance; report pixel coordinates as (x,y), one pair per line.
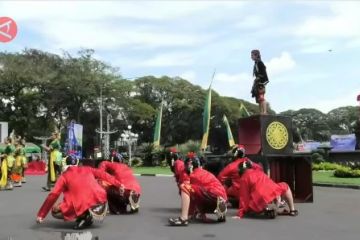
(311,123)
(341,119)
(40,91)
(22,78)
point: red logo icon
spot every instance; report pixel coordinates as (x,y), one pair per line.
(8,29)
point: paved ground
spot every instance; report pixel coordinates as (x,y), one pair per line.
(335,214)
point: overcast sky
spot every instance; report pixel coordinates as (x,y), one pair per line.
(311,49)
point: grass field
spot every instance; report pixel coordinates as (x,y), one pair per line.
(152,170)
(328,177)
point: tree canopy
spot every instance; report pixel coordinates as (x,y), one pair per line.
(40,91)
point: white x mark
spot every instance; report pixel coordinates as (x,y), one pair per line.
(7,25)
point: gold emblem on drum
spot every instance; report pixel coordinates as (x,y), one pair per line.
(277,135)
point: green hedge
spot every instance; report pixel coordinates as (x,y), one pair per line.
(136,162)
(346,172)
(326,166)
(317,158)
(339,170)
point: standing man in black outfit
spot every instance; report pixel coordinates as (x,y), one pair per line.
(261,79)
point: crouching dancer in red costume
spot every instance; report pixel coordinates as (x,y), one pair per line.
(177,166)
(84,199)
(230,177)
(259,194)
(203,194)
(129,192)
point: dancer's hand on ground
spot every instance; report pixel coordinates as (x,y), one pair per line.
(236,217)
(39,220)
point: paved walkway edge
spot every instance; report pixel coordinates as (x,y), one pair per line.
(336,185)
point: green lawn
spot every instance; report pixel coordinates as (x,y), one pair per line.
(152,170)
(328,177)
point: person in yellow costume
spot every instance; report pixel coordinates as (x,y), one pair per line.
(55,160)
(7,163)
(24,160)
(20,163)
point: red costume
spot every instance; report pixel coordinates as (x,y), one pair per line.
(118,201)
(81,192)
(177,166)
(203,194)
(204,189)
(231,172)
(257,190)
(180,173)
(123,174)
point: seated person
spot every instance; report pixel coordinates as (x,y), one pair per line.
(230,177)
(259,194)
(177,166)
(129,192)
(84,199)
(203,194)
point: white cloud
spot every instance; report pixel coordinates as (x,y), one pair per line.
(326,105)
(353,43)
(189,75)
(313,45)
(321,33)
(345,22)
(279,65)
(252,22)
(67,35)
(300,79)
(233,85)
(168,60)
(95,10)
(233,78)
(107,25)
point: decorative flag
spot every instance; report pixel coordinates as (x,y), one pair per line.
(75,136)
(157,132)
(243,111)
(229,133)
(206,120)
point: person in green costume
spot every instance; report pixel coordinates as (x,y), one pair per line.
(55,161)
(24,160)
(20,163)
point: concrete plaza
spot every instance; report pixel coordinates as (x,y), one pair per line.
(335,214)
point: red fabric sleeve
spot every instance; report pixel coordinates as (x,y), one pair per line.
(178,167)
(225,173)
(52,197)
(99,174)
(184,178)
(244,197)
(179,171)
(103,165)
(257,166)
